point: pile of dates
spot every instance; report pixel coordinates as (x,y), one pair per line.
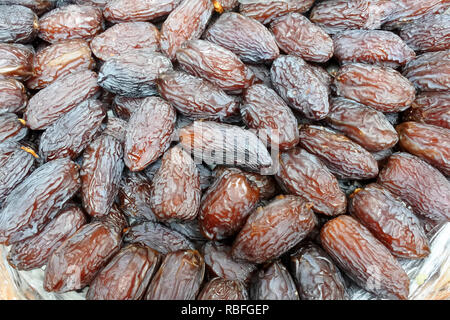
(198,149)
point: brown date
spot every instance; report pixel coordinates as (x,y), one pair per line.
(300,86)
(16,61)
(432,108)
(123,37)
(419,184)
(123,107)
(316,276)
(100,174)
(50,103)
(274,229)
(379,47)
(175,30)
(149,133)
(188,228)
(196,98)
(17,24)
(138,10)
(71,22)
(95,3)
(223,289)
(114,219)
(364,258)
(38,6)
(126,276)
(428,142)
(390,221)
(345,158)
(13,96)
(305,175)
(179,277)
(37,200)
(34,252)
(366,126)
(75,263)
(298,36)
(11,129)
(116,127)
(59,60)
(246,37)
(262,74)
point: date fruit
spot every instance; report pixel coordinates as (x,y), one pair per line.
(432,108)
(16,61)
(13,96)
(17,24)
(138,10)
(222,289)
(11,129)
(38,6)
(123,107)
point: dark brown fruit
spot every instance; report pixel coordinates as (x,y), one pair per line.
(71,22)
(274,283)
(297,83)
(94,3)
(17,24)
(38,6)
(114,219)
(179,277)
(13,96)
(298,36)
(116,127)
(222,289)
(432,108)
(75,263)
(417,183)
(246,37)
(305,175)
(138,10)
(50,103)
(126,276)
(133,73)
(37,200)
(123,107)
(342,156)
(262,74)
(188,228)
(16,61)
(264,111)
(366,126)
(11,129)
(315,274)
(379,47)
(196,98)
(379,87)
(364,259)
(390,221)
(34,252)
(274,229)
(149,133)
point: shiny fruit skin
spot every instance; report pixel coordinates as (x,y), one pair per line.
(432,108)
(222,289)
(18,24)
(13,96)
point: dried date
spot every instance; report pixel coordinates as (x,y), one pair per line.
(16,61)
(13,96)
(138,10)
(38,6)
(11,128)
(123,107)
(223,289)
(17,24)
(432,108)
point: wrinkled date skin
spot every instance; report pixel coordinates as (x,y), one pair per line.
(432,108)
(267,11)
(123,107)
(37,200)
(138,10)
(345,158)
(158,237)
(133,73)
(11,129)
(13,96)
(364,259)
(305,175)
(126,276)
(124,37)
(428,142)
(188,228)
(179,277)
(94,3)
(70,134)
(382,88)
(246,37)
(15,165)
(16,61)
(17,24)
(218,143)
(176,187)
(59,60)
(175,30)
(76,262)
(50,103)
(100,174)
(274,283)
(215,64)
(390,221)
(38,6)
(430,71)
(226,205)
(222,289)
(116,127)
(316,276)
(274,229)
(364,125)
(196,98)
(296,35)
(220,263)
(264,111)
(300,87)
(71,22)
(378,47)
(419,184)
(34,252)
(149,133)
